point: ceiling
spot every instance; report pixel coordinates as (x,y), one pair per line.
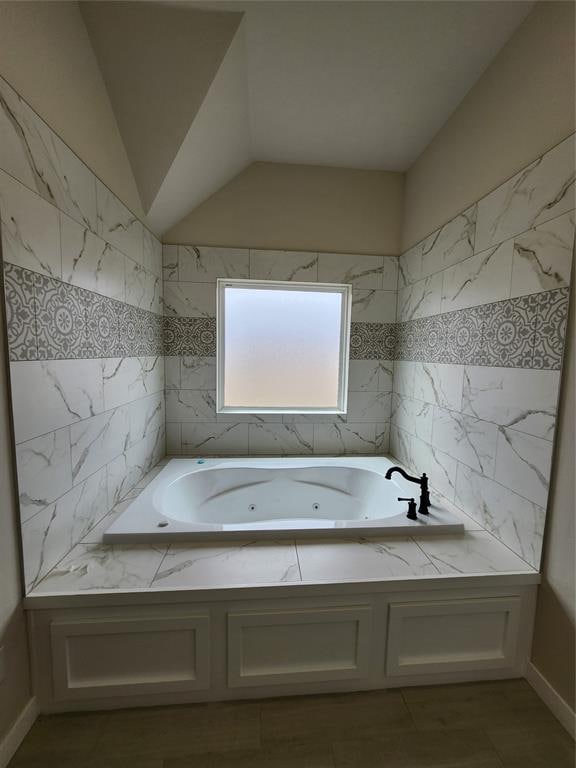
(350,84)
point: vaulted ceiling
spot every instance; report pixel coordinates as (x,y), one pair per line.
(201,90)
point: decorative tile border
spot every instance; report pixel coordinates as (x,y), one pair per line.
(372,341)
(526,332)
(51,320)
(48,319)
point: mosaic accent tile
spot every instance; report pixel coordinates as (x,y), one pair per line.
(372,341)
(190,336)
(61,319)
(549,327)
(51,320)
(103,327)
(507,335)
(20,313)
(526,332)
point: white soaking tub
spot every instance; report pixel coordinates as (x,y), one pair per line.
(193,499)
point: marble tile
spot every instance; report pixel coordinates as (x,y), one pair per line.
(439,466)
(543,257)
(413,416)
(383,438)
(126,379)
(471,441)
(410,266)
(481,279)
(439,384)
(512,519)
(95,442)
(363,375)
(281,439)
(451,244)
(44,471)
(90,262)
(20,303)
(98,566)
(368,272)
(190,299)
(522,399)
(540,192)
(401,445)
(244,564)
(53,394)
(385,376)
(146,416)
(174,438)
(34,155)
(404,371)
(369,407)
(205,264)
(373,306)
(119,226)
(190,405)
(420,299)
(344,439)
(197,372)
(30,229)
(214,439)
(130,466)
(170,263)
(472,552)
(152,253)
(143,289)
(172,372)
(283,265)
(50,534)
(523,464)
(340,560)
(94,535)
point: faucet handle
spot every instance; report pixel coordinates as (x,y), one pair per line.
(411,514)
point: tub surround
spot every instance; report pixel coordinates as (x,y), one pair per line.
(192,424)
(476,380)
(83,288)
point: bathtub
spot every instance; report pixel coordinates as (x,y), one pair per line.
(193,499)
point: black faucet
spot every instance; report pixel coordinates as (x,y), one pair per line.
(422,482)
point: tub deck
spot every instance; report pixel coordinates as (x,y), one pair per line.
(146,572)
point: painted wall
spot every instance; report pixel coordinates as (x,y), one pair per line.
(301,208)
(15,691)
(482,306)
(521,107)
(83,291)
(45,53)
(554,633)
(194,427)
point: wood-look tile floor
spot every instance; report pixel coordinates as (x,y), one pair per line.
(474,725)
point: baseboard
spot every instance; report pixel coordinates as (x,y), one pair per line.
(16,734)
(555,703)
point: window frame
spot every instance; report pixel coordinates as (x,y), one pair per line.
(344,357)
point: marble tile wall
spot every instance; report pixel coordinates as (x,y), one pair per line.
(194,428)
(482,307)
(83,292)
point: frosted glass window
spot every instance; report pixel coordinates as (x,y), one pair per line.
(282,346)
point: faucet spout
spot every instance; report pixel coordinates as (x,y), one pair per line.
(421,481)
